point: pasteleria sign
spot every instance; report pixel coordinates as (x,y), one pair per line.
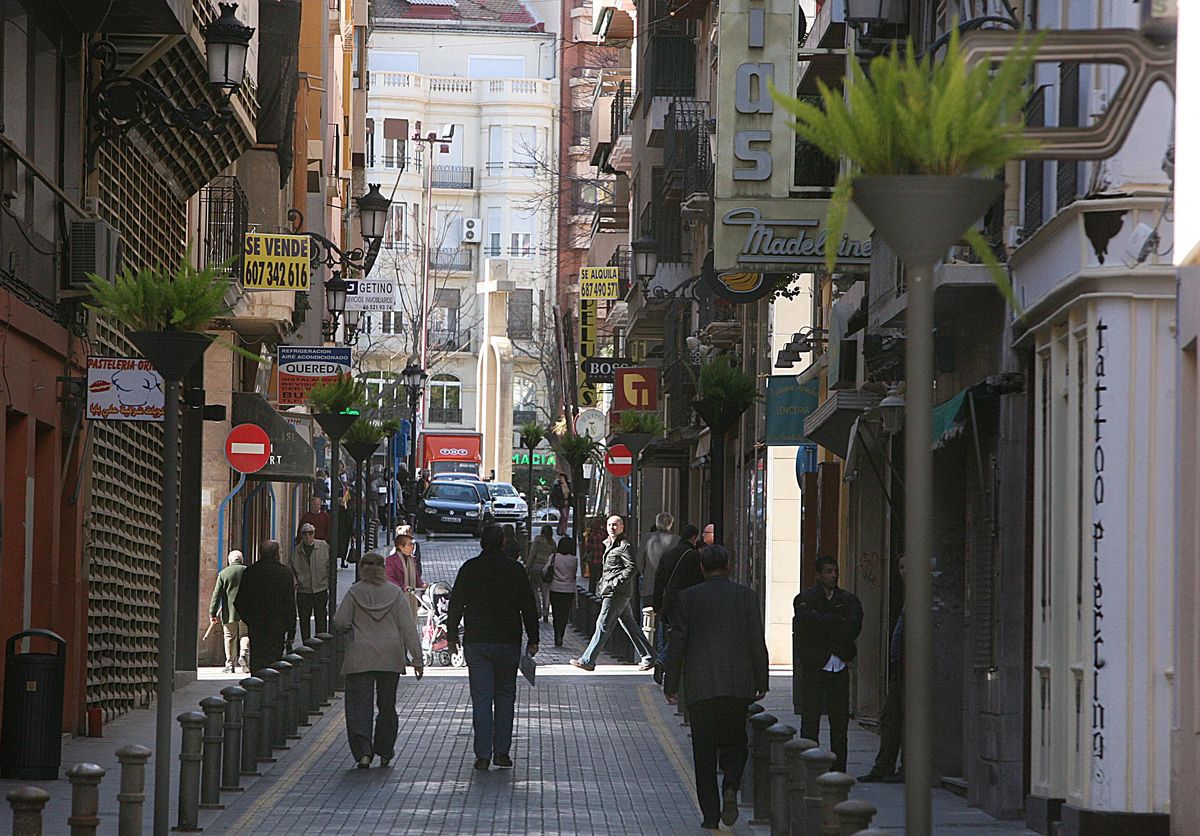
(124,389)
(275,262)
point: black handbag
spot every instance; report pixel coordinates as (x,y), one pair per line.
(548,572)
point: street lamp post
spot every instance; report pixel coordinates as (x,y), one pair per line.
(414,382)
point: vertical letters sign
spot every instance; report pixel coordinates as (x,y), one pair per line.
(588,310)
(755,146)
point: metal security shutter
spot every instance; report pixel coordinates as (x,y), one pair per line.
(122,548)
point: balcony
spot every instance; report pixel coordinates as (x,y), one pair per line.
(456,89)
(445,415)
(814,170)
(453,177)
(450,339)
(410,165)
(687,156)
(671,74)
(453,259)
(613,20)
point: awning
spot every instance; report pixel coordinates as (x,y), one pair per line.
(292,458)
(950,418)
(831,423)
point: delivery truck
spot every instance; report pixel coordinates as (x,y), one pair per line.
(451,452)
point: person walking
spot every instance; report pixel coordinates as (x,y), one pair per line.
(891,718)
(654,547)
(310,565)
(593,552)
(318,517)
(540,552)
(223,609)
(678,571)
(512,549)
(405,528)
(402,569)
(492,592)
(381,631)
(828,621)
(718,657)
(266,601)
(709,535)
(565,565)
(616,589)
(560,498)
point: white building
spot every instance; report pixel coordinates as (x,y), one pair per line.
(483,219)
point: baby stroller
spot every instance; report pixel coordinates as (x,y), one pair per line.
(434,605)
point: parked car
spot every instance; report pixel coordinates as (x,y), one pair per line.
(509,505)
(457,505)
(549,516)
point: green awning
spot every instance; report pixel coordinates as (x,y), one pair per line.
(949,419)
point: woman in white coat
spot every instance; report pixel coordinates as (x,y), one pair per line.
(382,629)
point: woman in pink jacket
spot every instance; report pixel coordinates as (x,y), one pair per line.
(400,566)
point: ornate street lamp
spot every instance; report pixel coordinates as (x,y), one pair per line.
(892,409)
(351,319)
(121,102)
(645,258)
(372,220)
(372,213)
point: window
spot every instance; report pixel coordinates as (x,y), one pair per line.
(443,321)
(451,154)
(495,160)
(395,142)
(521,237)
(358,60)
(520,314)
(390,322)
(524,150)
(445,399)
(495,231)
(496,66)
(448,228)
(583,127)
(395,234)
(370,143)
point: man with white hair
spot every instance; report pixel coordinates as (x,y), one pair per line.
(654,546)
(224,610)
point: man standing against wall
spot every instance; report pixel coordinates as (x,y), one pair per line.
(828,621)
(310,565)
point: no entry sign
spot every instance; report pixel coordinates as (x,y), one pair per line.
(619,460)
(247,448)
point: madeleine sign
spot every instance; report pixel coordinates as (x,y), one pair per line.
(782,236)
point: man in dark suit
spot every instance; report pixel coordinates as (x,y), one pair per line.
(828,621)
(267,603)
(718,656)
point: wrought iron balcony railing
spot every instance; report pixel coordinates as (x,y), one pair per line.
(453,177)
(455,258)
(445,415)
(687,159)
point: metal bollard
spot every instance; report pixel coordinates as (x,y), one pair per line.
(85,798)
(252,724)
(303,665)
(327,651)
(272,730)
(27,804)
(285,710)
(834,788)
(777,736)
(816,763)
(231,748)
(214,737)
(318,674)
(299,699)
(747,788)
(311,679)
(792,750)
(189,771)
(131,800)
(854,815)
(760,755)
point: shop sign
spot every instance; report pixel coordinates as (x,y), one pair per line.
(275,262)
(782,236)
(540,458)
(635,388)
(301,367)
(788,404)
(603,369)
(600,283)
(124,389)
(588,309)
(371,294)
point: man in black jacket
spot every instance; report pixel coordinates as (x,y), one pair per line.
(267,603)
(828,621)
(679,569)
(494,595)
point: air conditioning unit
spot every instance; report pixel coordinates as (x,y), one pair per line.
(95,247)
(472,231)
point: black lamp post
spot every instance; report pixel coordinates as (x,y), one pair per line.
(645,259)
(121,102)
(414,382)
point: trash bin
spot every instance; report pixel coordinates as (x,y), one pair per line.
(31,737)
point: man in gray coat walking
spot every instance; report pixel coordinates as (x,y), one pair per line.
(718,656)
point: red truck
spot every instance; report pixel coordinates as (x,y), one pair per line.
(451,452)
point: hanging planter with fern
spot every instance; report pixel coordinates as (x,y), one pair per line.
(723,393)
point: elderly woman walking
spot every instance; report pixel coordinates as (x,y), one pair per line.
(562,588)
(382,629)
(539,556)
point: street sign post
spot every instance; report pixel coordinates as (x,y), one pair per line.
(619,460)
(247,448)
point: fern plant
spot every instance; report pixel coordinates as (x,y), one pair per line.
(338,395)
(390,427)
(721,381)
(640,421)
(155,299)
(575,450)
(909,115)
(532,434)
(363,432)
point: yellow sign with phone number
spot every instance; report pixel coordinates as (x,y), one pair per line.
(275,262)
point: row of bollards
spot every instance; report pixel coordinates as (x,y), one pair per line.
(226,740)
(792,787)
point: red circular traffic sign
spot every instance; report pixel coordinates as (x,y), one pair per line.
(247,448)
(619,460)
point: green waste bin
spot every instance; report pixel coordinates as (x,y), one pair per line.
(31,736)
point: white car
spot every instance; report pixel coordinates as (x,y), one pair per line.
(508,504)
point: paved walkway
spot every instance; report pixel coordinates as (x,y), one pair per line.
(596,753)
